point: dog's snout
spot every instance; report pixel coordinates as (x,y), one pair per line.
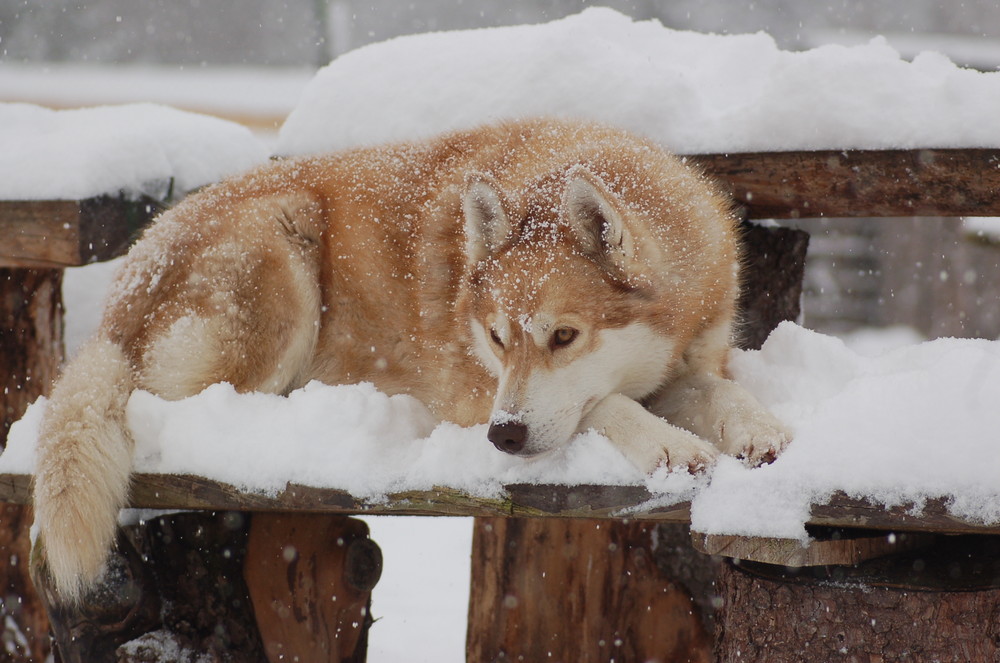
(509,437)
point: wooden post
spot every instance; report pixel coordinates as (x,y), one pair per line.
(30,354)
(576,591)
(310,578)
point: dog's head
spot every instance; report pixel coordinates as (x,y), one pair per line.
(562,305)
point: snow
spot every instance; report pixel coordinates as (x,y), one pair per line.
(260,94)
(913,423)
(910,424)
(136,148)
(692,92)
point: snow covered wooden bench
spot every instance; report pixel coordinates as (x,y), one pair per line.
(635,605)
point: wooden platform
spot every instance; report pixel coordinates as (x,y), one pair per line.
(167,491)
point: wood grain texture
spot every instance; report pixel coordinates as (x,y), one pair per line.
(30,353)
(310,578)
(852,183)
(67,233)
(576,590)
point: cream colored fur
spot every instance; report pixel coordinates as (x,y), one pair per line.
(542,276)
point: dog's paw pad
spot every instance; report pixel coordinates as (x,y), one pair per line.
(763,444)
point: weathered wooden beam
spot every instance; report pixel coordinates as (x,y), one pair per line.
(168,491)
(860,183)
(768,185)
(66,233)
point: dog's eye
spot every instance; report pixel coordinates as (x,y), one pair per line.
(563,337)
(495,337)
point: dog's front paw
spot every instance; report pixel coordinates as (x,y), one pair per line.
(757,437)
(659,444)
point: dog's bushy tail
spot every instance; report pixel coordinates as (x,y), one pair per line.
(84,467)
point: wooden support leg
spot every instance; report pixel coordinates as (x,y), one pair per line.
(310,578)
(30,354)
(576,591)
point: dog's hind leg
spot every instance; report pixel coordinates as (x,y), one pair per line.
(248,313)
(212,293)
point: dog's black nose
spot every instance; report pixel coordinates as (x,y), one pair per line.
(509,437)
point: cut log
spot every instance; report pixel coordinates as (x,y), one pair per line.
(310,578)
(576,591)
(921,606)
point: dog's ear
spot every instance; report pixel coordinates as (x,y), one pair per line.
(592,210)
(487,224)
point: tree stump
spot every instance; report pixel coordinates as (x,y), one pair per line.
(937,604)
(30,354)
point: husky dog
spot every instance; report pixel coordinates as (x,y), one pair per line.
(546,277)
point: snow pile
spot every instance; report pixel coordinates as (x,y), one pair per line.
(136,148)
(692,92)
(915,423)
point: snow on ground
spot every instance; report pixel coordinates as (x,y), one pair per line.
(693,92)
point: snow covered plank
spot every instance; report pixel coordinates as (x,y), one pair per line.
(69,233)
(852,183)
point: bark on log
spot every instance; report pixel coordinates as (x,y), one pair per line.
(774,262)
(879,611)
(576,591)
(174,593)
(30,354)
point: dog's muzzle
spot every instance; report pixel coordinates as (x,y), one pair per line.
(509,437)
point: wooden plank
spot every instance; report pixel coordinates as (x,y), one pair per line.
(66,233)
(844,550)
(776,185)
(166,491)
(860,183)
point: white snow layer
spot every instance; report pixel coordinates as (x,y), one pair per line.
(692,92)
(914,423)
(134,148)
